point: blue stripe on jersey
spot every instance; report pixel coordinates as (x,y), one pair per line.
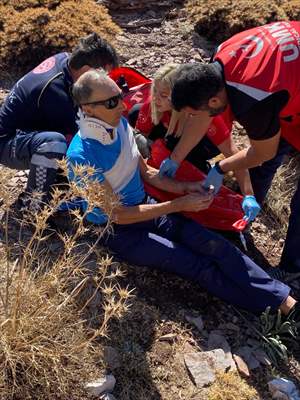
(86,151)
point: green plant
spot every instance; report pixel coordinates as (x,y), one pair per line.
(276,332)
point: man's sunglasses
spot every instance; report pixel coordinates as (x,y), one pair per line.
(109,104)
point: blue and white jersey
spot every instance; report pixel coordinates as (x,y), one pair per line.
(115,160)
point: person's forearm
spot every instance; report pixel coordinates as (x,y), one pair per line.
(242,160)
(184,146)
(243,178)
(151,176)
(194,130)
(258,152)
(144,212)
(229,148)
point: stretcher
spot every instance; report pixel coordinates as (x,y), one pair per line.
(225,213)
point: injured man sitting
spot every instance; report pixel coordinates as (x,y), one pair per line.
(156,235)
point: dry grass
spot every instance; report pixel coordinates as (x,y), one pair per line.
(230,386)
(47,347)
(281,192)
(218,20)
(31,30)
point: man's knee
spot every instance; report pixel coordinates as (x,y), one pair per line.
(50,145)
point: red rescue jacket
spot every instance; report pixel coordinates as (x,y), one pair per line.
(265,60)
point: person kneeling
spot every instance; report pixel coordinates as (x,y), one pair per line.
(147,233)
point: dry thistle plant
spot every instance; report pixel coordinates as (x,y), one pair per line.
(228,385)
(282,189)
(47,345)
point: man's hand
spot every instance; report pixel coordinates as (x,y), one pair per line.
(251,207)
(194,202)
(196,187)
(168,168)
(214,178)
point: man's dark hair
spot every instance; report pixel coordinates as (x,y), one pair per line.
(94,51)
(195,84)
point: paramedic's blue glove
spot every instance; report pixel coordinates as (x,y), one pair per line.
(214,178)
(251,207)
(168,168)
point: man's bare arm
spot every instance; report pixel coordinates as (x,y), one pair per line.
(194,130)
(258,152)
(229,148)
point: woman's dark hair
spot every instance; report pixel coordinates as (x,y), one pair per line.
(195,84)
(94,51)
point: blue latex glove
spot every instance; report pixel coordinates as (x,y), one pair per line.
(213,178)
(168,168)
(251,207)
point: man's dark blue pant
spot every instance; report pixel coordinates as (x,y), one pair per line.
(175,244)
(38,152)
(261,178)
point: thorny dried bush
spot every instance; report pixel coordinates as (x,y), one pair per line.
(282,190)
(29,34)
(227,385)
(47,347)
(218,20)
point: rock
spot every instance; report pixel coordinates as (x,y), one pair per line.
(196,321)
(108,396)
(280,396)
(262,357)
(255,344)
(111,357)
(143,29)
(230,327)
(241,366)
(282,386)
(101,385)
(203,366)
(245,352)
(217,341)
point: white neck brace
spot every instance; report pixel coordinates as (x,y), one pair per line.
(96,129)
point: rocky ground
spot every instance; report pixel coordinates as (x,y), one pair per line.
(159,350)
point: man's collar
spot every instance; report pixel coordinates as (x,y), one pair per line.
(93,128)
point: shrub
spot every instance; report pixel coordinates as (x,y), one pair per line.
(228,385)
(47,339)
(218,20)
(33,30)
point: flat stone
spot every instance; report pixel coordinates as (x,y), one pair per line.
(280,396)
(196,321)
(282,386)
(101,385)
(262,357)
(246,353)
(241,366)
(203,366)
(230,327)
(111,357)
(217,341)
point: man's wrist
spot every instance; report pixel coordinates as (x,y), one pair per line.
(174,158)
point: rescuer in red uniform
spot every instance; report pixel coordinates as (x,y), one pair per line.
(254,78)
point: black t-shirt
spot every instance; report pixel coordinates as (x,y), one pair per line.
(260,118)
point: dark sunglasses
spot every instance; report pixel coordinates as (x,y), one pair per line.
(109,104)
